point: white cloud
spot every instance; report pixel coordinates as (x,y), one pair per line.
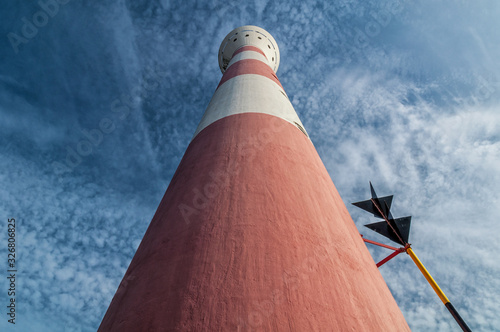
(415,111)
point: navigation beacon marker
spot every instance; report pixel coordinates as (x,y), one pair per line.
(398,230)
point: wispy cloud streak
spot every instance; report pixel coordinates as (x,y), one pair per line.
(400,93)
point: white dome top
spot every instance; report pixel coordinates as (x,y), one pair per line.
(249,35)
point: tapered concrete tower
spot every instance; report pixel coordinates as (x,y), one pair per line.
(251,234)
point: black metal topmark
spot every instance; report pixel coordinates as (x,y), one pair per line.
(397,230)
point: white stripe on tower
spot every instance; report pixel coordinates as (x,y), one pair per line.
(248,52)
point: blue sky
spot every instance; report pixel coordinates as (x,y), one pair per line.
(405,94)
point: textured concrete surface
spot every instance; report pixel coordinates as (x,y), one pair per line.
(252,235)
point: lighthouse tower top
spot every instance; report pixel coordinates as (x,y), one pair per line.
(249,35)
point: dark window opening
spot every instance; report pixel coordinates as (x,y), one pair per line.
(235,39)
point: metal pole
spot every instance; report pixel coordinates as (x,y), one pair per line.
(388,258)
(438,290)
(379,244)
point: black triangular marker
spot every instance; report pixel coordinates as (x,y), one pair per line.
(400,225)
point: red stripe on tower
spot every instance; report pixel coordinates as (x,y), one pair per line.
(251,233)
(249,66)
(248,48)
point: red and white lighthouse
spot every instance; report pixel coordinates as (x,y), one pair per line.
(251,233)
